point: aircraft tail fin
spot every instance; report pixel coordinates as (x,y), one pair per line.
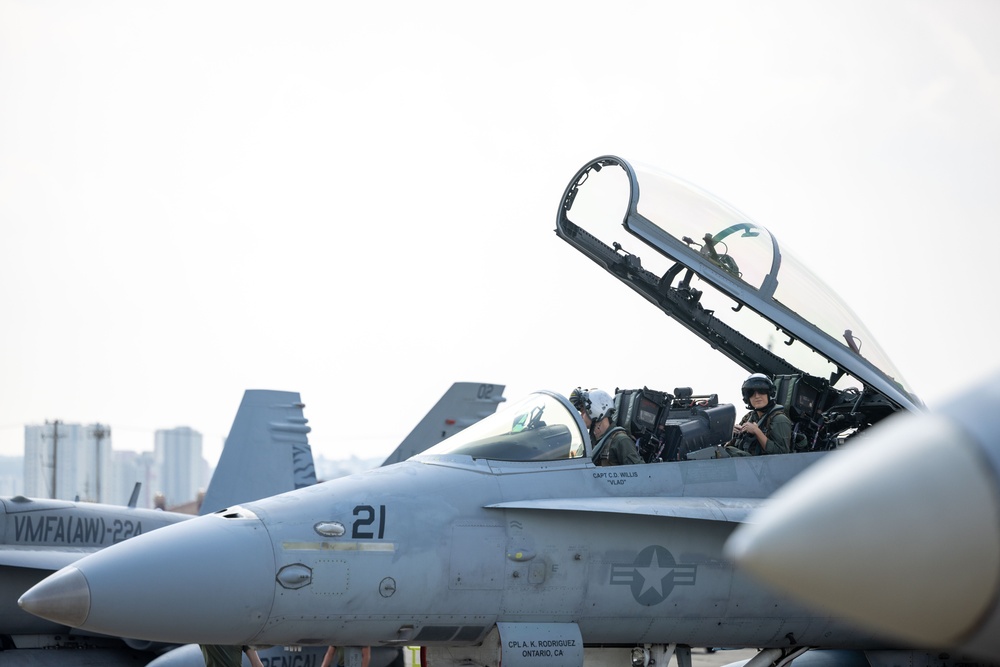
(462,405)
(267,451)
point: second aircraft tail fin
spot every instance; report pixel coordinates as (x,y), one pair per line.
(462,405)
(267,451)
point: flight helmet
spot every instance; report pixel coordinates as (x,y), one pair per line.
(596,403)
(758,382)
(601,405)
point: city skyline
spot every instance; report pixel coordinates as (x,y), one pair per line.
(129,465)
(71,461)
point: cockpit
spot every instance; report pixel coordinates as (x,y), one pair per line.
(726,279)
(545,426)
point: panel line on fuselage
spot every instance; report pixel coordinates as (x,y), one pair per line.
(338,546)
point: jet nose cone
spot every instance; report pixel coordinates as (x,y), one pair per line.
(63,597)
(899,533)
(209,580)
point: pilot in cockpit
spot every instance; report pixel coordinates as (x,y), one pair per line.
(766,429)
(612,446)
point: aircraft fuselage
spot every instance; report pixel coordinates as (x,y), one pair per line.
(558,555)
(439,550)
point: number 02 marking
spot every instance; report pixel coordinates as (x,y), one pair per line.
(366,517)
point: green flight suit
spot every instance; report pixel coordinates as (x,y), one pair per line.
(777,427)
(616,448)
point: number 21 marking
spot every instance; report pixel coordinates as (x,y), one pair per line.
(366,514)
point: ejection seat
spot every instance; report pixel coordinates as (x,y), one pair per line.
(801,402)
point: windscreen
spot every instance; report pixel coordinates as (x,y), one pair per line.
(539,427)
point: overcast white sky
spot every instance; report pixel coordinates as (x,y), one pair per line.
(357,202)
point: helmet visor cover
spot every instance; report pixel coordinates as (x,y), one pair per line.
(595,403)
(758,382)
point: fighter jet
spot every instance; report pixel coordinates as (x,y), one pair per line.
(506,542)
(900,533)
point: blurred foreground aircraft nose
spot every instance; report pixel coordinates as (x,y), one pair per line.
(178,586)
(900,532)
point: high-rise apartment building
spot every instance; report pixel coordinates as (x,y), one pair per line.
(181,468)
(68,461)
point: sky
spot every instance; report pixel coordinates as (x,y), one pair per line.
(357,202)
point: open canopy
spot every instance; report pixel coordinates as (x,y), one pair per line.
(727,279)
